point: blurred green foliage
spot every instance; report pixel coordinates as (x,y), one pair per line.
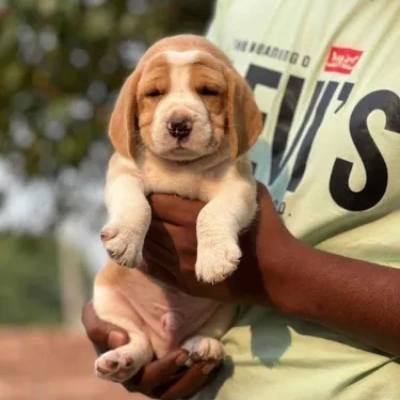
(29,290)
(62,63)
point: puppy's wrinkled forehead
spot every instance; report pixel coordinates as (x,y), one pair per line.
(174,70)
(187,44)
(175,55)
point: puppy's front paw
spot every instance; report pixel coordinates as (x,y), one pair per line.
(217,261)
(123,244)
(116,366)
(204,348)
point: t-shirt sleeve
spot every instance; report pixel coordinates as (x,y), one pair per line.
(213,31)
(211,34)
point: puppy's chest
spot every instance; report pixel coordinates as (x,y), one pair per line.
(180,181)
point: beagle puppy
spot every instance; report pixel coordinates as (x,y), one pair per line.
(182,124)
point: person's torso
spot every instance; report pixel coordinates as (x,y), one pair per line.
(326,76)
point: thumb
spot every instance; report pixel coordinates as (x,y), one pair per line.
(105,336)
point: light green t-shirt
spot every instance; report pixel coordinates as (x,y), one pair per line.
(326,75)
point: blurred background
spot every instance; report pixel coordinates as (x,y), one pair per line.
(62,63)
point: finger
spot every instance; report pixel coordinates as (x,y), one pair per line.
(174,209)
(158,372)
(199,388)
(169,236)
(195,379)
(104,335)
(166,248)
(161,274)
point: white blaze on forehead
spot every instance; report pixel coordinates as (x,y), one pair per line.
(180,64)
(181,57)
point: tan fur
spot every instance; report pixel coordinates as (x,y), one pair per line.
(122,125)
(244,118)
(174,79)
(242,115)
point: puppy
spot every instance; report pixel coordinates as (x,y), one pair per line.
(182,124)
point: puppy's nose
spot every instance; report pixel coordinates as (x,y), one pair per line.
(180,128)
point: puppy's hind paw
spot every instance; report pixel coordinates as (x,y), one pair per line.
(115,366)
(204,348)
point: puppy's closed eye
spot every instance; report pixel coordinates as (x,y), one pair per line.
(207,91)
(153,93)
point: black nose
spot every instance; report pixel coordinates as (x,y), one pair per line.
(180,128)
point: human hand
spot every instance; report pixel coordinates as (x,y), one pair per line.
(279,270)
(170,251)
(164,379)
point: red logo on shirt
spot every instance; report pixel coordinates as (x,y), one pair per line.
(342,60)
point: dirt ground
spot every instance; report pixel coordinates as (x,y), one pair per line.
(51,365)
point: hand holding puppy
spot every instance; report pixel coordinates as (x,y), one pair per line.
(165,379)
(170,251)
(276,269)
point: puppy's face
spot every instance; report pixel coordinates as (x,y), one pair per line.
(186,101)
(181,103)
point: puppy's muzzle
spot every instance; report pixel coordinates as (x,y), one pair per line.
(180,128)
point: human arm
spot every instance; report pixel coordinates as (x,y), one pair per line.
(356,298)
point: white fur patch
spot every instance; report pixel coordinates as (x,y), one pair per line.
(180,63)
(181,57)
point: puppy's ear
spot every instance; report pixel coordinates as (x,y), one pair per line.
(244,117)
(122,123)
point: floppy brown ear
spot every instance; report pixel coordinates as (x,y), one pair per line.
(244,117)
(122,123)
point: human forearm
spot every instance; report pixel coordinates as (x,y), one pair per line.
(359,299)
